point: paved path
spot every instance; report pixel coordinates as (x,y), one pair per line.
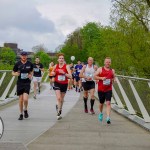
(42,116)
(80,131)
(76,131)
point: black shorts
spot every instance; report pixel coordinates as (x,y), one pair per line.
(23,88)
(77,78)
(61,87)
(51,77)
(104,96)
(88,85)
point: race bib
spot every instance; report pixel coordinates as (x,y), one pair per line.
(106,82)
(79,70)
(36,69)
(89,75)
(61,77)
(24,75)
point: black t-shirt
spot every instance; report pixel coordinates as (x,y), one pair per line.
(24,70)
(37,71)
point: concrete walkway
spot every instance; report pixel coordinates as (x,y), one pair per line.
(42,112)
(80,131)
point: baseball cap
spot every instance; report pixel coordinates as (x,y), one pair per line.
(24,53)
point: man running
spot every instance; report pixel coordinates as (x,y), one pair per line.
(78,83)
(23,69)
(88,83)
(61,72)
(106,76)
(37,75)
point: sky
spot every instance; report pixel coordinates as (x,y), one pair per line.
(48,22)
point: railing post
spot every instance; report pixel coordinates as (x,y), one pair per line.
(140,103)
(2,78)
(46,78)
(117,99)
(129,106)
(13,92)
(7,89)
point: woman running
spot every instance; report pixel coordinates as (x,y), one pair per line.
(61,72)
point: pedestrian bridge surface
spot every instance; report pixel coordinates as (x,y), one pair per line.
(75,131)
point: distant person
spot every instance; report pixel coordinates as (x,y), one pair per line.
(51,77)
(70,81)
(38,69)
(106,77)
(88,83)
(61,72)
(24,70)
(78,83)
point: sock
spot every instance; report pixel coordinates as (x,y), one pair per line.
(85,102)
(92,103)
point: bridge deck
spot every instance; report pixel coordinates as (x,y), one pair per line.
(76,131)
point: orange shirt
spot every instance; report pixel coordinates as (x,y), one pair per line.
(50,70)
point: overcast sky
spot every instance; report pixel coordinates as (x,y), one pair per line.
(33,22)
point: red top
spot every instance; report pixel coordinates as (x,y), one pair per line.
(106,85)
(61,78)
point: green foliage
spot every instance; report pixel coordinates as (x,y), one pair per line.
(7,56)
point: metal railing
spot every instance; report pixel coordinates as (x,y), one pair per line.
(8,84)
(133,94)
(130,93)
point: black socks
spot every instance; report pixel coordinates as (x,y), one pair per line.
(92,103)
(85,102)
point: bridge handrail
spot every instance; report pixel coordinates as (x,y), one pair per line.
(136,78)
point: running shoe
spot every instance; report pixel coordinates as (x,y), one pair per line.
(59,115)
(39,91)
(108,120)
(100,117)
(86,110)
(20,117)
(34,96)
(26,115)
(92,111)
(79,90)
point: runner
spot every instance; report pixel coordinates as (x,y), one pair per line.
(23,69)
(78,83)
(61,72)
(37,75)
(106,77)
(51,77)
(88,83)
(70,81)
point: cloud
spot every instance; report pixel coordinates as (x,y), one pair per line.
(23,15)
(48,22)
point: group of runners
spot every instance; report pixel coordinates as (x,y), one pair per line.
(65,77)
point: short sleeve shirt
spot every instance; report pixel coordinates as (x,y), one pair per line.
(36,70)
(24,70)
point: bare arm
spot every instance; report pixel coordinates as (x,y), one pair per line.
(53,71)
(82,72)
(114,79)
(69,75)
(15,73)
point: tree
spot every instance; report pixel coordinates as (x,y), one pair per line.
(7,55)
(44,58)
(130,10)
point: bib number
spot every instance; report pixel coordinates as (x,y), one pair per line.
(36,69)
(24,75)
(61,77)
(106,82)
